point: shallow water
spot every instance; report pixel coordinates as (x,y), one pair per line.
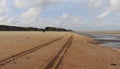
(112,40)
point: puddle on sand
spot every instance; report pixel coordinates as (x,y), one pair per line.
(112,44)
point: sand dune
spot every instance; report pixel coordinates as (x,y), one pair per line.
(54,50)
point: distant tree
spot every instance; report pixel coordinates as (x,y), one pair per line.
(14,28)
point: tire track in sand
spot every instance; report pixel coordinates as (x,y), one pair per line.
(57,60)
(23,53)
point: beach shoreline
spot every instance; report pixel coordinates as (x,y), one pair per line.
(51,50)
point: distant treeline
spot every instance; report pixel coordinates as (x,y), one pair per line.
(15,28)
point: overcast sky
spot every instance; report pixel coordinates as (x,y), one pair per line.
(73,14)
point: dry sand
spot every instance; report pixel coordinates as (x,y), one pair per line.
(15,42)
(54,50)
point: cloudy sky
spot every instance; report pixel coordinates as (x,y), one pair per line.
(72,14)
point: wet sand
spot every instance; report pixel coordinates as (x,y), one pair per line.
(54,50)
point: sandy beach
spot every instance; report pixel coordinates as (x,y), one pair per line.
(54,50)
